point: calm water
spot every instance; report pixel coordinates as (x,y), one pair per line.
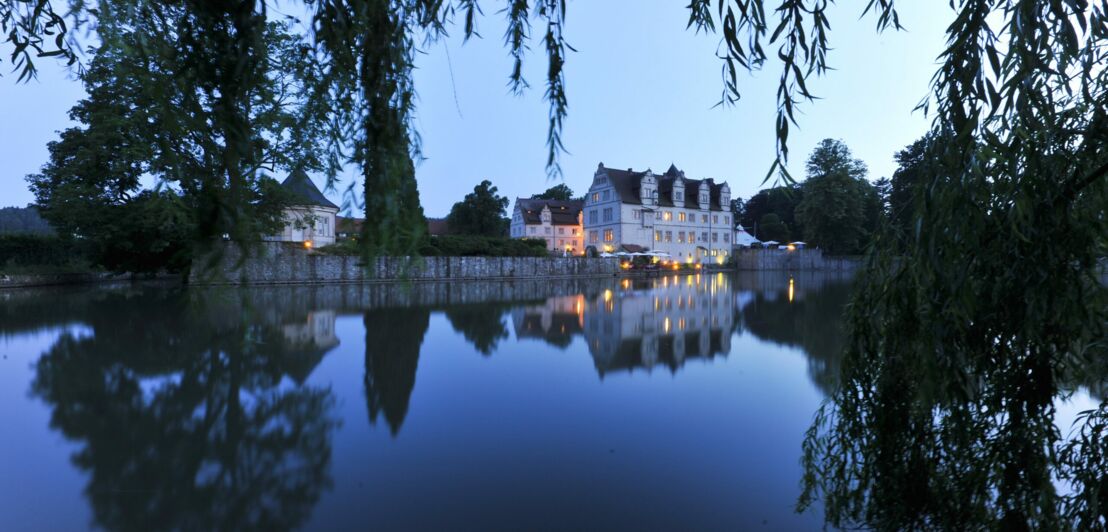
(674,403)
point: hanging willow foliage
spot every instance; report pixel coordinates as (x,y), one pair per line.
(958,346)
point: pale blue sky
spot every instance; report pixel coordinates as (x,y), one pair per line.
(641,89)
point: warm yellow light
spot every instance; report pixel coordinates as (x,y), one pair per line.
(790,289)
(626,283)
(625,265)
(607,295)
(791,247)
(308,244)
(654,260)
(698,266)
(665,325)
(676,266)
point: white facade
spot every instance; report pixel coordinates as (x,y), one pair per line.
(557,222)
(308,223)
(689,219)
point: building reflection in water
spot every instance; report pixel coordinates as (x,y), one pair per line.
(641,324)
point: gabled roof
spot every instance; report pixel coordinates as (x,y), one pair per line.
(628,184)
(561,212)
(305,191)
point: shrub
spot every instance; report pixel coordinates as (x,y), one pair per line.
(26,250)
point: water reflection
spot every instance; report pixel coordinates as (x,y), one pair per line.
(800,310)
(189,415)
(198,409)
(392,341)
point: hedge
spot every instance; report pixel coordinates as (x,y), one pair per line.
(37,250)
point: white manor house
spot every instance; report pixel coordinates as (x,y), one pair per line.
(632,211)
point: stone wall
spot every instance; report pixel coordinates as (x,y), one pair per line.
(800,259)
(280,262)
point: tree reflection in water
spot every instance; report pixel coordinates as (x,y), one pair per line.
(809,318)
(190,414)
(929,431)
(481,324)
(393,338)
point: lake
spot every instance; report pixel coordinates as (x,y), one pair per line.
(669,403)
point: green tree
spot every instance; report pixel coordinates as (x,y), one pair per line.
(916,164)
(91,187)
(738,207)
(482,212)
(837,200)
(771,228)
(557,192)
(781,201)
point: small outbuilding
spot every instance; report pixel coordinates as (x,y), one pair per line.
(310,218)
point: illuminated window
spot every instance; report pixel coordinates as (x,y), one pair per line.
(608,235)
(657,236)
(667,216)
(680,217)
(692,237)
(595,197)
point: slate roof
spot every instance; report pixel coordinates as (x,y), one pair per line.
(561,212)
(305,190)
(628,184)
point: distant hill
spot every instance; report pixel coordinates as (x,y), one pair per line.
(24,220)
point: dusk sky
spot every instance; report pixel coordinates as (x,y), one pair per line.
(641,93)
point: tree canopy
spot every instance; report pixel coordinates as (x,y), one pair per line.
(781,202)
(836,209)
(92,186)
(482,212)
(557,192)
